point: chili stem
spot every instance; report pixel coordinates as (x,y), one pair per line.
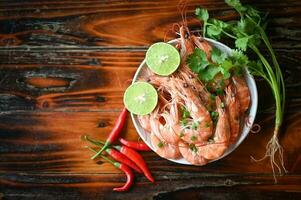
(95,142)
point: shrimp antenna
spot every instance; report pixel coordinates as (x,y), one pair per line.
(182,7)
(175,28)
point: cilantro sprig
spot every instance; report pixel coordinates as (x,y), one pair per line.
(248,33)
(219,62)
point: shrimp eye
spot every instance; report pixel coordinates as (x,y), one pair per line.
(193,87)
(190,76)
(185,85)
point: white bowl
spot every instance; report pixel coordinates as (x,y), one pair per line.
(251,114)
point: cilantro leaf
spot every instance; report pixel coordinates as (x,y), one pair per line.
(214,116)
(226,66)
(197,61)
(256,68)
(236,5)
(217,56)
(195,125)
(184,122)
(202,14)
(193,148)
(214,32)
(209,73)
(239,58)
(242,43)
(186,113)
(219,23)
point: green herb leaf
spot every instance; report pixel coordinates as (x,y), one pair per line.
(214,31)
(202,14)
(193,148)
(185,112)
(160,144)
(207,125)
(217,56)
(183,122)
(219,91)
(214,116)
(236,5)
(239,58)
(197,61)
(181,134)
(242,43)
(195,125)
(226,66)
(209,73)
(193,138)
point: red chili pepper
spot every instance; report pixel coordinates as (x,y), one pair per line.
(129,175)
(128,172)
(137,158)
(123,159)
(113,153)
(114,133)
(140,146)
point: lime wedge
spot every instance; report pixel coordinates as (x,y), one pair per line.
(162,58)
(140,98)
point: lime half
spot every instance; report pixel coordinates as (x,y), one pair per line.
(162,58)
(140,98)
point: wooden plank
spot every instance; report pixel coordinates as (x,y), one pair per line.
(49,142)
(96,80)
(120,23)
(99,186)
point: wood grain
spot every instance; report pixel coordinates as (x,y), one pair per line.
(82,81)
(50,159)
(99,23)
(64,66)
(195,186)
(50,142)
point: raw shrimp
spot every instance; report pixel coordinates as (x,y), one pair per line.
(200,117)
(145,122)
(171,129)
(191,153)
(202,44)
(242,92)
(158,81)
(215,149)
(164,149)
(197,86)
(166,128)
(218,83)
(187,45)
(233,108)
(160,146)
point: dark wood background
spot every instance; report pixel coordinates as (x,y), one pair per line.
(64,67)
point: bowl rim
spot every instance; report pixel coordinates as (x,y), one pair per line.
(246,128)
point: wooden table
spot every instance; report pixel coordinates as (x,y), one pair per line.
(64,67)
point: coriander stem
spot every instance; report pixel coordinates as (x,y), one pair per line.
(279,75)
(274,86)
(223,31)
(229,35)
(204,28)
(276,65)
